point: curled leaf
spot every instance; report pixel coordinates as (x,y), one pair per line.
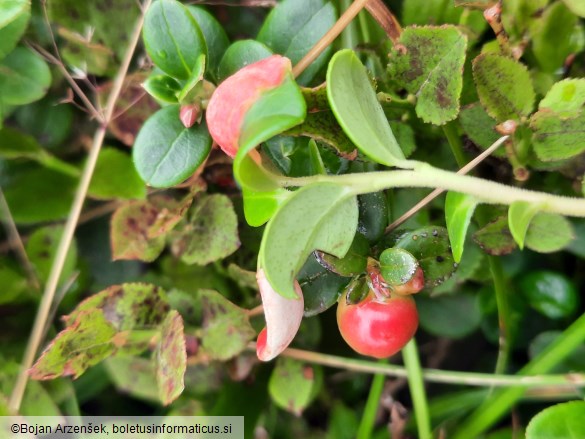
(283,318)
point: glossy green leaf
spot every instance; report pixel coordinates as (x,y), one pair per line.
(259,207)
(173,38)
(430,246)
(193,83)
(450,315)
(48,120)
(362,119)
(226,328)
(321,288)
(211,232)
(576,6)
(550,293)
(41,249)
(14,18)
(496,78)
(165,152)
(293,384)
(561,421)
(353,263)
(323,126)
(459,209)
(552,37)
(240,54)
(86,342)
(215,37)
(397,266)
(127,306)
(549,232)
(373,219)
(170,358)
(293,27)
(298,229)
(495,237)
(37,194)
(429,64)
(163,88)
(566,96)
(520,214)
(557,137)
(24,77)
(115,177)
(129,235)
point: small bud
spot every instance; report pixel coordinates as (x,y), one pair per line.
(189,114)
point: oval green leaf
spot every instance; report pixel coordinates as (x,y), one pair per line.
(173,38)
(549,232)
(550,293)
(163,88)
(300,227)
(24,77)
(14,18)
(165,152)
(397,266)
(116,177)
(459,209)
(354,262)
(240,54)
(520,214)
(561,421)
(357,110)
(215,38)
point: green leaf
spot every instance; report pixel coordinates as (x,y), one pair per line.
(404,136)
(226,328)
(576,6)
(48,120)
(293,27)
(551,294)
(215,37)
(86,342)
(430,246)
(563,420)
(479,127)
(173,38)
(41,249)
(495,237)
(259,207)
(240,54)
(323,126)
(211,232)
(459,209)
(299,228)
(293,385)
(496,78)
(321,288)
(557,137)
(549,232)
(373,219)
(567,96)
(354,262)
(24,77)
(520,214)
(133,376)
(362,119)
(453,316)
(188,93)
(429,63)
(552,37)
(397,266)
(14,18)
(130,225)
(170,358)
(165,152)
(13,283)
(127,306)
(163,88)
(115,177)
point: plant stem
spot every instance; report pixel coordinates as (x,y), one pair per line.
(43,312)
(504,319)
(568,381)
(349,35)
(450,131)
(499,404)
(417,390)
(366,426)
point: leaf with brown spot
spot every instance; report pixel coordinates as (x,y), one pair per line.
(495,238)
(171,358)
(126,306)
(170,212)
(293,385)
(129,234)
(85,343)
(428,62)
(226,328)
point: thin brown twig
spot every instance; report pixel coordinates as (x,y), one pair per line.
(43,312)
(434,194)
(16,244)
(385,18)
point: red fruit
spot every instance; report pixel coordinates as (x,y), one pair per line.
(231,100)
(413,286)
(377,327)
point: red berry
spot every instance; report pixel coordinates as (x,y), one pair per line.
(378,327)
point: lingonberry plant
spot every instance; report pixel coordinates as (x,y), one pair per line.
(281,158)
